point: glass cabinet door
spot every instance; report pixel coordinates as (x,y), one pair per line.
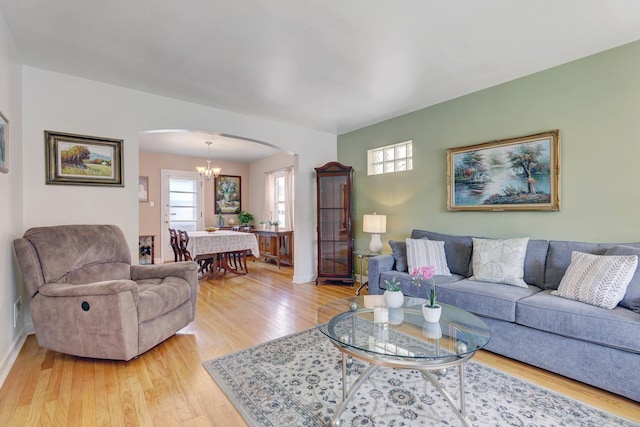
(335,236)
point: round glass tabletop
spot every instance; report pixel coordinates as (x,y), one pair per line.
(361,324)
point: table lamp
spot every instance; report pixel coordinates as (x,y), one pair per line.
(375,224)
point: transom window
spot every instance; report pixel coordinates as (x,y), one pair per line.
(390,158)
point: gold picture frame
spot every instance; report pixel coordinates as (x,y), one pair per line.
(516,174)
(228,192)
(83,160)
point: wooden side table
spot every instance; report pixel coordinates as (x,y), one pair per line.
(361,255)
(276,245)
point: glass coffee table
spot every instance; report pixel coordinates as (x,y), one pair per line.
(401,339)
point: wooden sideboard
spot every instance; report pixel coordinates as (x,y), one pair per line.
(276,245)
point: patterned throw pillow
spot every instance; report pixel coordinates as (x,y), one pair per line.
(499,261)
(423,253)
(599,280)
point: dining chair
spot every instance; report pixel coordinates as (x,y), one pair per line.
(173,239)
(205,261)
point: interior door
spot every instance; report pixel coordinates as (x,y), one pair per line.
(182,205)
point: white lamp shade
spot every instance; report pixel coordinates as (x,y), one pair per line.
(374,223)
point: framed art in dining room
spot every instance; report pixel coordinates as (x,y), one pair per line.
(143,189)
(516,174)
(83,160)
(4,143)
(228,194)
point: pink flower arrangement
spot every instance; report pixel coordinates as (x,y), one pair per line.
(425,273)
(422,273)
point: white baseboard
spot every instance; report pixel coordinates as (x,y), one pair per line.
(10,358)
(303,279)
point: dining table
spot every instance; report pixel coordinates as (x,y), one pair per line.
(220,245)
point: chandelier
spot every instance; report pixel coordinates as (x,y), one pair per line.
(208,172)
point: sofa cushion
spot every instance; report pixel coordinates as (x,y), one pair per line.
(631,298)
(160,296)
(499,260)
(483,298)
(399,252)
(597,279)
(559,257)
(424,253)
(456,248)
(616,328)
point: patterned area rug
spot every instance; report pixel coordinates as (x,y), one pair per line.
(296,381)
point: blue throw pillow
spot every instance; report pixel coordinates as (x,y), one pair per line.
(399,252)
(631,298)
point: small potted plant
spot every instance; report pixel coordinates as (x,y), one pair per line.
(431,311)
(245,218)
(275,224)
(263,224)
(220,220)
(393,296)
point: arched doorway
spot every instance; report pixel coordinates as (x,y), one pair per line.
(181,151)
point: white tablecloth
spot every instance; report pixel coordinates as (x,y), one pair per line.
(204,242)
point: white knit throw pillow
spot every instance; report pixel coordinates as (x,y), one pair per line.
(425,253)
(599,280)
(500,261)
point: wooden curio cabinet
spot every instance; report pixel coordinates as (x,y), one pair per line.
(335,219)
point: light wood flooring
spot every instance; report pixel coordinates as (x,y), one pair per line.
(167,386)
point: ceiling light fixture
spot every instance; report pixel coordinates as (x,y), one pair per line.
(208,172)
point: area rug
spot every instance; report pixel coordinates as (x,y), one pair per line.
(297,381)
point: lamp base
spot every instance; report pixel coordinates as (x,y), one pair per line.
(376,244)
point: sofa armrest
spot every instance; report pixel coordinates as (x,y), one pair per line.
(107,287)
(187,270)
(378,264)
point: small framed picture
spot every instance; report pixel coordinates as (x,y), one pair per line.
(143,189)
(83,160)
(227,194)
(4,144)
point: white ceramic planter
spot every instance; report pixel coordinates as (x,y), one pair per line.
(393,299)
(431,314)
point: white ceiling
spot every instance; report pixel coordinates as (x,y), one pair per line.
(193,144)
(329,65)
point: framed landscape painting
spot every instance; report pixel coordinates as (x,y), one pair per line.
(517,174)
(4,144)
(227,189)
(83,160)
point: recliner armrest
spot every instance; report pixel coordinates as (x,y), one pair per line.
(107,287)
(378,264)
(187,270)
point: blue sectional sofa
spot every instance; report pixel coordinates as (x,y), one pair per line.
(590,344)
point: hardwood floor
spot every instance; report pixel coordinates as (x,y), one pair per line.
(167,386)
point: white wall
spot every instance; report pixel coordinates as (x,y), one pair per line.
(257,171)
(64,103)
(11,338)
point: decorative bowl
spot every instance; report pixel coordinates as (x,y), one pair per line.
(211,229)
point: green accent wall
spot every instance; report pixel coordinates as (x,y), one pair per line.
(593,101)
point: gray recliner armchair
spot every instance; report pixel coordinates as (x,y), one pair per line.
(88,300)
